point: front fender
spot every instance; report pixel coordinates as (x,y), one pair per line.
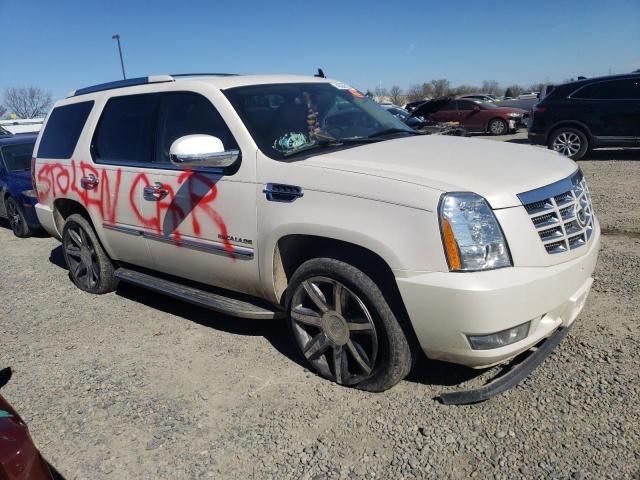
(406,238)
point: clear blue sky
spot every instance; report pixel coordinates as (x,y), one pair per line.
(62,45)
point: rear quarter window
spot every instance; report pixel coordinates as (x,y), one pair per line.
(63,130)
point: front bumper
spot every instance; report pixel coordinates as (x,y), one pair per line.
(446,307)
(47,220)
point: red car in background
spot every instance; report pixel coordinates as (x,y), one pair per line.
(19,457)
(479,116)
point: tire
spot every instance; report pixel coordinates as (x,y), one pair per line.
(358,341)
(570,142)
(17,220)
(90,268)
(498,126)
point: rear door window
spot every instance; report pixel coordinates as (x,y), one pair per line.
(125,131)
(450,106)
(466,104)
(612,90)
(188,113)
(63,130)
(17,158)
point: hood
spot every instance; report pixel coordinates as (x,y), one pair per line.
(430,106)
(498,171)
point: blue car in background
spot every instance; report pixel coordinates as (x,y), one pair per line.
(17,197)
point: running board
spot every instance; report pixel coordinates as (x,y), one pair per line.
(202,298)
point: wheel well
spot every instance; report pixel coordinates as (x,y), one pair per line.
(64,207)
(570,124)
(293,250)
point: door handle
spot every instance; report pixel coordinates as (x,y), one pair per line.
(90,182)
(155,192)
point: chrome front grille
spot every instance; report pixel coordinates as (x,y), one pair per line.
(561,213)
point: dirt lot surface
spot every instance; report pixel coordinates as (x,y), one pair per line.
(135,385)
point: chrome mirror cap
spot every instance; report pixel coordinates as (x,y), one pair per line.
(201,151)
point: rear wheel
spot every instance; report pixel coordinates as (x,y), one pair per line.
(570,142)
(343,327)
(17,220)
(497,126)
(89,265)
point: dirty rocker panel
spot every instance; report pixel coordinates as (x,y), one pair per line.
(217,248)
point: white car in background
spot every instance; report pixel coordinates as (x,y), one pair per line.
(31,125)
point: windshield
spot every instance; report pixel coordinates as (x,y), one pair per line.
(284,119)
(17,158)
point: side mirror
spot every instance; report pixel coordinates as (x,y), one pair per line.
(201,151)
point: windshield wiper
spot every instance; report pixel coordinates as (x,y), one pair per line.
(324,139)
(390,131)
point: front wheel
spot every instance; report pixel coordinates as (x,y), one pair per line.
(344,328)
(89,265)
(570,142)
(497,126)
(17,220)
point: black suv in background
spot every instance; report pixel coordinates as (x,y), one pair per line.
(593,113)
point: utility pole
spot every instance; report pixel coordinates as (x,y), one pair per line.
(116,37)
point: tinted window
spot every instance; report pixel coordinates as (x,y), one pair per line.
(612,90)
(187,113)
(18,157)
(125,130)
(449,106)
(63,130)
(466,105)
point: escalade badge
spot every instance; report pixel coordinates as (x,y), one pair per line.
(232,238)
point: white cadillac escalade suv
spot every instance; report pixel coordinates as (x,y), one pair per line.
(299,197)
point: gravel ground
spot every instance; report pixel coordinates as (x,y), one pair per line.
(136,385)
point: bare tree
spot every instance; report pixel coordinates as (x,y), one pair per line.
(2,111)
(490,86)
(515,90)
(536,87)
(414,93)
(396,96)
(380,93)
(441,87)
(28,102)
(465,89)
(427,90)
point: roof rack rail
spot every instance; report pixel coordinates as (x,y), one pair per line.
(129,82)
(204,74)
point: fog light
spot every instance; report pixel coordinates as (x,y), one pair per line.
(499,339)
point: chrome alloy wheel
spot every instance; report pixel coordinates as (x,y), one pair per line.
(497,127)
(567,143)
(334,330)
(81,258)
(15,219)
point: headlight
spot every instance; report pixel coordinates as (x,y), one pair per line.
(471,234)
(514,115)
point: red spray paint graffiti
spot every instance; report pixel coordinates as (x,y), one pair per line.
(56,179)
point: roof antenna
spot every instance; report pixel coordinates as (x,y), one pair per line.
(320,74)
